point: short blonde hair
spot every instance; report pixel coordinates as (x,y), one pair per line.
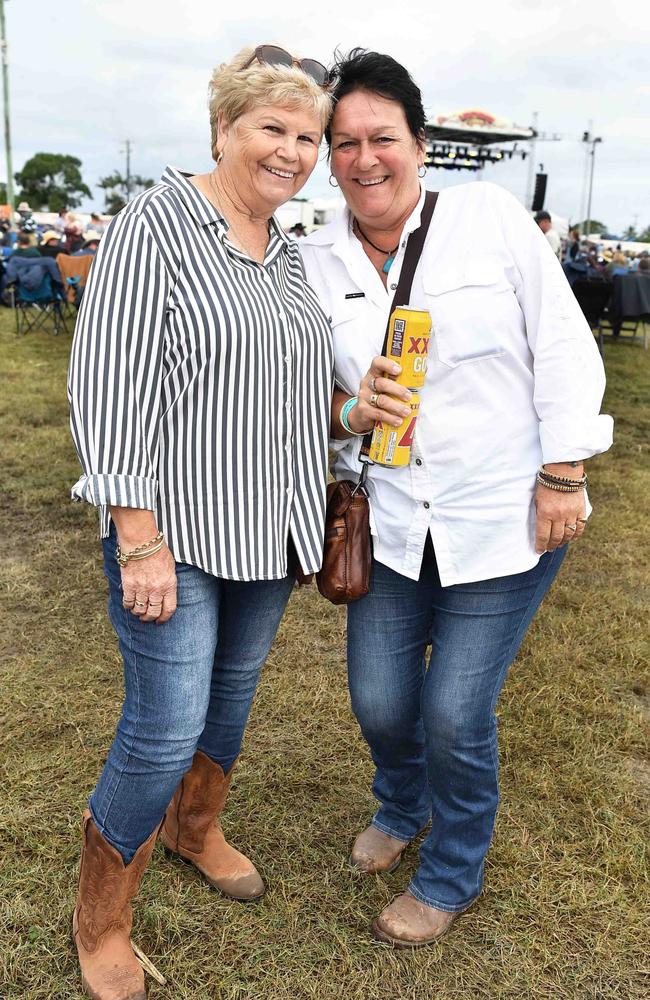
(234,90)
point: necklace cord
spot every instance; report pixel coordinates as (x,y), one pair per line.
(388,253)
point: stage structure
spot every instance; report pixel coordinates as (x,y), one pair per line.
(467,140)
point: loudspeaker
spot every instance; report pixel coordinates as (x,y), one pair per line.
(540,192)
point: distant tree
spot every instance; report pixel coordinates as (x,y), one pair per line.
(118,192)
(52,181)
(595,226)
(644,237)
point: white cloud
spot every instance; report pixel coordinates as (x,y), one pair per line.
(86,76)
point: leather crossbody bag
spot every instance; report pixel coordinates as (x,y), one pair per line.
(347,554)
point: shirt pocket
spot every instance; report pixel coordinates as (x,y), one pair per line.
(353,347)
(470,305)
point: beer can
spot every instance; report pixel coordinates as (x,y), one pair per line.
(408,344)
(391,446)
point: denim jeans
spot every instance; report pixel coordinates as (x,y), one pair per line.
(432,730)
(189,685)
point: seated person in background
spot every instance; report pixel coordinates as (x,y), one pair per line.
(25,247)
(50,245)
(95,225)
(72,233)
(28,267)
(90,244)
(617,265)
(573,244)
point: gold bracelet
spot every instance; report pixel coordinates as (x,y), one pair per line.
(142,551)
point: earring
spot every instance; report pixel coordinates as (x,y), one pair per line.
(333,178)
(424,171)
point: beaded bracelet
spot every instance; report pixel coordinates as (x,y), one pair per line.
(343,416)
(549,477)
(561,487)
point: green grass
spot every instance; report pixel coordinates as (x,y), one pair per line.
(564,913)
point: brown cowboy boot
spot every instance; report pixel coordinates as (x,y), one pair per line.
(375,851)
(101,923)
(192,831)
(408,923)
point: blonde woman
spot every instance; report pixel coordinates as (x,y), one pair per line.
(200,385)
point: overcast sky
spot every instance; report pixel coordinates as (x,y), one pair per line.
(88,74)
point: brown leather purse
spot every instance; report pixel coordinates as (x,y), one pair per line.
(347,554)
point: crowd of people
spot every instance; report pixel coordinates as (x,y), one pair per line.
(582,258)
(29,250)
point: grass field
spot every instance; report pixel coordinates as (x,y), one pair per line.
(565,910)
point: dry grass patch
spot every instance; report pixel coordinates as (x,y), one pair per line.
(564,913)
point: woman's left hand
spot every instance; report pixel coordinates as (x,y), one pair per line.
(559,518)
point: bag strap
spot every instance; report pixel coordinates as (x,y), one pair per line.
(402,296)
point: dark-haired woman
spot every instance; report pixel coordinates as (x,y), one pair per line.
(469,537)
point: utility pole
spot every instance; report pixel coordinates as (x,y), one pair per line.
(5,90)
(530,182)
(128,170)
(591,141)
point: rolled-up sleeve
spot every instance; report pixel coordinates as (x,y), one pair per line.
(115,374)
(568,370)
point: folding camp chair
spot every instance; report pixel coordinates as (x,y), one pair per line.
(593,295)
(38,309)
(74,271)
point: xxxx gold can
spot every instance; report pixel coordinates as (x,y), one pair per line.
(408,344)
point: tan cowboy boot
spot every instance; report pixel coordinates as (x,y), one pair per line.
(374,851)
(192,831)
(101,923)
(408,923)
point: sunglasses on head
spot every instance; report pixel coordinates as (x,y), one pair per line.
(273,55)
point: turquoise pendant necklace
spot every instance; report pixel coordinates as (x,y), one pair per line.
(391,253)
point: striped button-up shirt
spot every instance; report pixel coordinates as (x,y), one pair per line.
(200,386)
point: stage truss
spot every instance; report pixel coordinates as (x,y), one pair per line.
(467,140)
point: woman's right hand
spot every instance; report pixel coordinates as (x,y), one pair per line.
(149,587)
(380,398)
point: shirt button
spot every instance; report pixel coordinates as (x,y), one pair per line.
(418,461)
(426,504)
(393,287)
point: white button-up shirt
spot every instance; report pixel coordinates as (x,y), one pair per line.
(514,380)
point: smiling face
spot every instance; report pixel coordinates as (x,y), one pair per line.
(375,159)
(268,154)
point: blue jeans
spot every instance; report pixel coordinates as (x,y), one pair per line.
(432,730)
(189,685)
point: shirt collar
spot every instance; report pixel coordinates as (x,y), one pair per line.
(340,233)
(205,213)
(200,207)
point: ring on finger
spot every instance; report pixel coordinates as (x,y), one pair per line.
(582,520)
(140,604)
(155,605)
(373,399)
(372,383)
(571,527)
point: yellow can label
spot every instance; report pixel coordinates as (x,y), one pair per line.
(391,446)
(408,344)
